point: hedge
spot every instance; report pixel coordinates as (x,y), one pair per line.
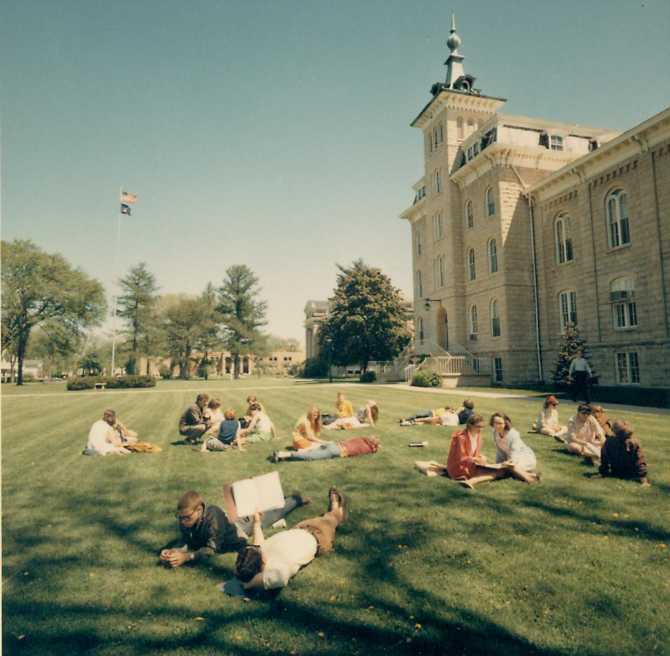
(368,377)
(426,378)
(120,382)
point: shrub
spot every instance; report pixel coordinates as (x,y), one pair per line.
(426,378)
(165,372)
(120,382)
(315,368)
(368,377)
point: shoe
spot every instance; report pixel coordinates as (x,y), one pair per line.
(335,495)
(274,457)
(302,500)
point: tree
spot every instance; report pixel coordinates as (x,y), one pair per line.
(241,313)
(571,344)
(183,327)
(90,364)
(56,347)
(39,287)
(367,320)
(210,337)
(136,305)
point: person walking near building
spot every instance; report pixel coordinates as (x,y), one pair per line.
(580,375)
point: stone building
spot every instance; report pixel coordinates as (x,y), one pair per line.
(524,226)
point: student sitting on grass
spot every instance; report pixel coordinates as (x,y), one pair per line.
(356,446)
(466,412)
(343,410)
(585,436)
(213,416)
(230,434)
(260,427)
(547,422)
(622,455)
(251,401)
(366,415)
(511,450)
(206,529)
(308,430)
(103,438)
(193,423)
(599,413)
(435,417)
(270,563)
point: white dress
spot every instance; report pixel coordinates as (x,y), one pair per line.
(510,447)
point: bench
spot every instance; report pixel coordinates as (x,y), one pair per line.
(100,386)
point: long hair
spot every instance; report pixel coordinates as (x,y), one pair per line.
(314,424)
(504,417)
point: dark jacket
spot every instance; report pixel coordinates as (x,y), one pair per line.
(214,533)
(622,458)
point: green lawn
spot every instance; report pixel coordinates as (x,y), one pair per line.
(570,566)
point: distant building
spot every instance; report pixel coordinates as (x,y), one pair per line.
(522,227)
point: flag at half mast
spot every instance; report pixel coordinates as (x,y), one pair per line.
(128,198)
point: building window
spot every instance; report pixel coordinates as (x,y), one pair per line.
(419,284)
(471,127)
(421,334)
(438,182)
(418,236)
(438,136)
(498,374)
(475,366)
(627,368)
(489,202)
(493,256)
(459,127)
(442,269)
(439,273)
(469,215)
(617,219)
(472,271)
(474,322)
(564,251)
(495,319)
(438,227)
(555,142)
(624,308)
(567,305)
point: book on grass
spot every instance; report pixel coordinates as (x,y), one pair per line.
(258,494)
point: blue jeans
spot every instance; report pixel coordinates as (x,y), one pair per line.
(269,516)
(321,452)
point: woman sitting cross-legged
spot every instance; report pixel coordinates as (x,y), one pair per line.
(365,416)
(548,423)
(308,429)
(356,446)
(622,455)
(512,451)
(585,435)
(260,428)
(230,434)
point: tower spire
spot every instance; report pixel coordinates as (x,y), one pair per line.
(454,62)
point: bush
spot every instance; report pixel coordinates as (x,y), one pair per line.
(426,378)
(165,372)
(121,382)
(315,368)
(368,377)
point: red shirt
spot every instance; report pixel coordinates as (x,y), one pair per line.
(460,450)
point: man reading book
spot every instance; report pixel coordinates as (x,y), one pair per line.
(270,564)
(206,529)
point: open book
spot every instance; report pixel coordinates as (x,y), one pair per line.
(258,494)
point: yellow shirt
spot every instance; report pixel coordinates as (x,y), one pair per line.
(344,409)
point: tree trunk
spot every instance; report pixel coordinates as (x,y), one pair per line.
(21,347)
(236,365)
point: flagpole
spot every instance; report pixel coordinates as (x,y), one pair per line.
(116,271)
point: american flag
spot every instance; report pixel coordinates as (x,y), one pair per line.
(128,198)
(125,209)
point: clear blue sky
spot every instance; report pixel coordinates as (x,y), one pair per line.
(277,134)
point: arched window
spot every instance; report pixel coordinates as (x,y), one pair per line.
(618,224)
(438,182)
(495,318)
(474,322)
(567,308)
(564,252)
(493,256)
(472,271)
(469,215)
(419,284)
(459,127)
(622,298)
(489,202)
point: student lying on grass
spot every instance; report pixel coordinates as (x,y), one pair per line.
(441,416)
(365,416)
(622,455)
(356,446)
(268,564)
(467,465)
(206,529)
(109,436)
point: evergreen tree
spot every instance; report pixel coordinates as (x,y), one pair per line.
(241,313)
(136,305)
(572,343)
(367,320)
